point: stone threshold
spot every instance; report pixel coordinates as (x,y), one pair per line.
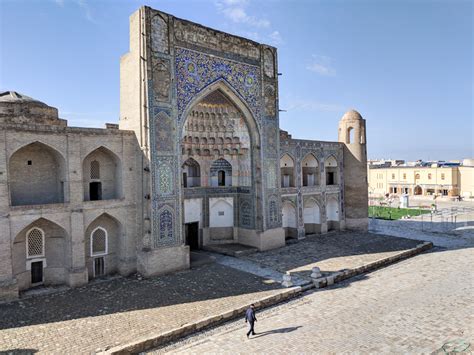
(155,340)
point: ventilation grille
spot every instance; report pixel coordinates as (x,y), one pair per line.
(95,169)
(99,242)
(35,243)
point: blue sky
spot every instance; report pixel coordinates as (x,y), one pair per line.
(406,66)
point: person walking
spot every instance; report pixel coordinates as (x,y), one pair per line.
(251,319)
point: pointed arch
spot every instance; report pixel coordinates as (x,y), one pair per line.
(103,239)
(310,170)
(289,219)
(332,173)
(311,216)
(287,170)
(102,174)
(37,175)
(40,249)
(226,89)
(191,173)
(221,173)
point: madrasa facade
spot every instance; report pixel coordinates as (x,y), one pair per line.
(197,159)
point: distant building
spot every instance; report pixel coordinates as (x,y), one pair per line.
(423,179)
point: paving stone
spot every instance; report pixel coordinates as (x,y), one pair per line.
(417,306)
(123,310)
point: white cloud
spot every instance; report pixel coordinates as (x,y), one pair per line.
(86,9)
(321,65)
(83,5)
(275,38)
(235,10)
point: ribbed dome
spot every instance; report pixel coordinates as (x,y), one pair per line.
(352,115)
(16,108)
(13,96)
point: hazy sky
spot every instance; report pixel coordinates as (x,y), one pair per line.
(406,66)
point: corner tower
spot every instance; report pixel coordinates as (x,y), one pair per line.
(352,133)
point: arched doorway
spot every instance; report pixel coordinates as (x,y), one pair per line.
(418,190)
(311,217)
(289,220)
(332,212)
(39,255)
(37,175)
(102,175)
(102,244)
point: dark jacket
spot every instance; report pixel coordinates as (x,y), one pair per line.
(250,315)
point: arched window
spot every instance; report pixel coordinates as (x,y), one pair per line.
(221,173)
(417,176)
(95,169)
(99,245)
(350,135)
(34,243)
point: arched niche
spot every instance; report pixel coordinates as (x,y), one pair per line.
(287,171)
(332,176)
(191,173)
(49,267)
(310,170)
(289,220)
(102,175)
(37,175)
(312,217)
(230,132)
(103,261)
(221,173)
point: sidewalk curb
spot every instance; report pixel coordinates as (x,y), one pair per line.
(346,274)
(155,340)
(152,341)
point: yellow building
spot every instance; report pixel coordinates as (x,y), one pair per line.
(422,180)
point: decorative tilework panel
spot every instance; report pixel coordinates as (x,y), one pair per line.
(246,214)
(195,71)
(163,180)
(273,212)
(164,132)
(270,172)
(164,232)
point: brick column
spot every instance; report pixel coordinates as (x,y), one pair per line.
(77,273)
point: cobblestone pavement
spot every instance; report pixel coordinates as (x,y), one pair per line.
(404,229)
(331,252)
(411,307)
(120,311)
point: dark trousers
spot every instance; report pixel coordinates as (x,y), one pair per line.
(251,329)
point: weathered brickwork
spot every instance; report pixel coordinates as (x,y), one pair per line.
(197,158)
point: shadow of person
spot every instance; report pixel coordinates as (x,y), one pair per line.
(276,331)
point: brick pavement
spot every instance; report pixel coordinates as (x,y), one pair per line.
(331,252)
(119,311)
(411,307)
